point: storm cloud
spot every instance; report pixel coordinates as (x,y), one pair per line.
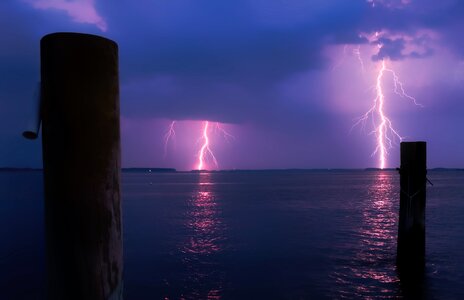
(262,64)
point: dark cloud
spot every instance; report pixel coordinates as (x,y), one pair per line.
(223,44)
(390,48)
(395,49)
(445,18)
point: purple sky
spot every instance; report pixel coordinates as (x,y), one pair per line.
(283,77)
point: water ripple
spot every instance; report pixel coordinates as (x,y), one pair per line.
(369,270)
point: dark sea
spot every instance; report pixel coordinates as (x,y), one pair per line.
(252,235)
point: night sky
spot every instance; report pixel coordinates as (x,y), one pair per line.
(288,79)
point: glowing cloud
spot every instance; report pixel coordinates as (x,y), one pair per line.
(81,11)
(389,3)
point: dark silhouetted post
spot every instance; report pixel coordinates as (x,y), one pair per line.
(411,229)
(81,160)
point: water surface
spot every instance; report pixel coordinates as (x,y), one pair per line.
(248,235)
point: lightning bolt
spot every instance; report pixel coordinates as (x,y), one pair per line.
(205,153)
(385,133)
(399,90)
(226,135)
(205,150)
(357,52)
(169,135)
(337,65)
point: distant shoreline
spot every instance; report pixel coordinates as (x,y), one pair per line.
(9,169)
(172,170)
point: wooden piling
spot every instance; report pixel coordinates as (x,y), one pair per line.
(81,160)
(411,229)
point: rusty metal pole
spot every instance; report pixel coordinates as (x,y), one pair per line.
(411,228)
(81,160)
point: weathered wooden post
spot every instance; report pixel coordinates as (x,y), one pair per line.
(81,160)
(411,228)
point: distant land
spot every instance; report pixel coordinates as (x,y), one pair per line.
(314,170)
(172,170)
(149,170)
(12,169)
